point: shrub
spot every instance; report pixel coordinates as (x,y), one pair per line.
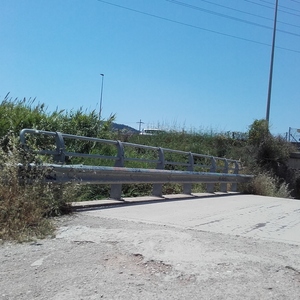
(258,132)
(268,157)
(26,201)
(265,184)
(18,114)
(273,151)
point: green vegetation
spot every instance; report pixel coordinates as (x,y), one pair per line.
(27,204)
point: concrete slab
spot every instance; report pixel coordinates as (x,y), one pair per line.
(259,217)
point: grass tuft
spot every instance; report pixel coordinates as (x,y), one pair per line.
(265,184)
(26,202)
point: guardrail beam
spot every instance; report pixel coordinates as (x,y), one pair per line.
(118,175)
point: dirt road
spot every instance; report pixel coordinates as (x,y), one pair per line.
(106,258)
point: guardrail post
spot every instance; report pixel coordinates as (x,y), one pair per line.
(210,187)
(23,139)
(116,189)
(236,171)
(223,186)
(60,148)
(187,187)
(157,187)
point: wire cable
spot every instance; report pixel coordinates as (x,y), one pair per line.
(279,5)
(228,17)
(248,13)
(216,13)
(295,1)
(271,8)
(194,26)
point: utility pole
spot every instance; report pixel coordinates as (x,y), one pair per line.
(140,125)
(271,65)
(100,110)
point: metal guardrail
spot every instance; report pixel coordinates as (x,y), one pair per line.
(187,169)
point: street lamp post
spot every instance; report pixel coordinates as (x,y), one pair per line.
(271,65)
(100,110)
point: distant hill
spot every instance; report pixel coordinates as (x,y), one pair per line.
(124,128)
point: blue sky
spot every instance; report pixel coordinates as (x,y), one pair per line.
(190,64)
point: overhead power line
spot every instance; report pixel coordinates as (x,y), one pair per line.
(227,17)
(272,7)
(216,13)
(247,13)
(285,7)
(295,1)
(194,26)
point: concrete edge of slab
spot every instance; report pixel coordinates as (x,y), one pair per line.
(144,199)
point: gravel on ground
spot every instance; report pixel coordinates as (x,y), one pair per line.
(102,258)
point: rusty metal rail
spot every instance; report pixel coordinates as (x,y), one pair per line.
(163,166)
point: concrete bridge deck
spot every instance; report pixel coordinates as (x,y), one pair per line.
(269,218)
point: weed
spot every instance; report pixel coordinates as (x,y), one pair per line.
(26,202)
(266,184)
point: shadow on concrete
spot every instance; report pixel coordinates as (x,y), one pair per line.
(110,203)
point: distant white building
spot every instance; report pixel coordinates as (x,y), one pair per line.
(152,131)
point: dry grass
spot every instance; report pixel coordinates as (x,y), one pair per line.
(26,203)
(265,184)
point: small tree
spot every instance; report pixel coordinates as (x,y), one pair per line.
(258,132)
(270,155)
